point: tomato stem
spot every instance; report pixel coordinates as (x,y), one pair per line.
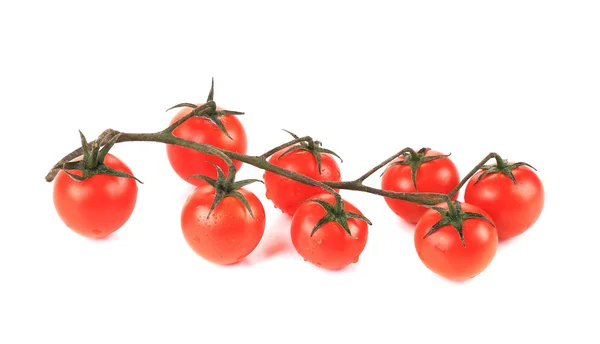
(414,156)
(383,163)
(472,173)
(307,139)
(204,109)
(452,209)
(256,161)
(500,163)
(111,136)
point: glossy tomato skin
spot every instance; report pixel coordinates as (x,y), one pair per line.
(99,205)
(443,252)
(331,247)
(230,233)
(439,176)
(186,161)
(514,208)
(287,194)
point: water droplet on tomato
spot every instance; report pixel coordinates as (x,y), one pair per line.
(355,260)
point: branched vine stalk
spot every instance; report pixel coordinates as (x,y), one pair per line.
(260,161)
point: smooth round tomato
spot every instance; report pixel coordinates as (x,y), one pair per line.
(514,207)
(230,233)
(287,194)
(439,176)
(186,161)
(331,247)
(443,251)
(96,206)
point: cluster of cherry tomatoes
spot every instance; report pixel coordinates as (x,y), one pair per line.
(457,240)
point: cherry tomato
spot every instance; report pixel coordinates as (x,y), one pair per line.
(514,207)
(287,194)
(230,233)
(331,247)
(99,205)
(186,161)
(439,176)
(444,253)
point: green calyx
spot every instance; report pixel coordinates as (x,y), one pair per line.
(226,187)
(313,147)
(209,110)
(455,217)
(336,213)
(502,166)
(415,159)
(93,161)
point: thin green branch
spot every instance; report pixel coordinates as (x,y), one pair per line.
(256,161)
(383,163)
(167,137)
(285,145)
(472,173)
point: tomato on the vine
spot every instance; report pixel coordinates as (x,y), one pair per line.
(99,205)
(458,244)
(423,171)
(327,235)
(186,161)
(309,159)
(219,226)
(512,194)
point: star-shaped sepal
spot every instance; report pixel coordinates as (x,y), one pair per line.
(209,110)
(225,187)
(455,217)
(415,160)
(92,162)
(503,167)
(313,147)
(336,213)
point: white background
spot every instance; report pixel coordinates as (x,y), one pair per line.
(520,78)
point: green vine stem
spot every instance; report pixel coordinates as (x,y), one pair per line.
(472,172)
(166,136)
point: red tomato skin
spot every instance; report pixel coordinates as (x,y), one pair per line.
(443,252)
(230,234)
(439,176)
(287,194)
(514,208)
(186,161)
(330,247)
(99,205)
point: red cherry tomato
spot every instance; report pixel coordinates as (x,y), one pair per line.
(99,205)
(443,251)
(331,247)
(439,176)
(186,161)
(287,194)
(514,207)
(230,233)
